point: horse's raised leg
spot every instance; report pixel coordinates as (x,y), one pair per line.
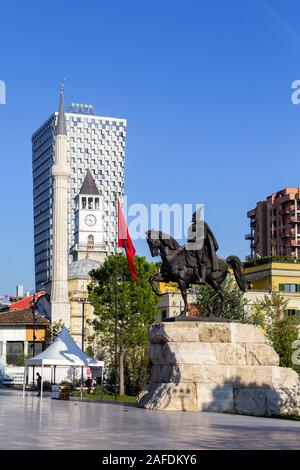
(182,287)
(155,278)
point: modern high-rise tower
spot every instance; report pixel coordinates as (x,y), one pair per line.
(275,225)
(95,145)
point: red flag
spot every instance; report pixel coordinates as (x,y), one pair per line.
(124,241)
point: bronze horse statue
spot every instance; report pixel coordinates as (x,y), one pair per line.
(176,267)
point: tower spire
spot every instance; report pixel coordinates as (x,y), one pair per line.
(61,120)
(60,306)
(89,185)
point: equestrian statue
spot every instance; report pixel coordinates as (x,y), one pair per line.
(196,263)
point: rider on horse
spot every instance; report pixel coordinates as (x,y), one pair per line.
(201,245)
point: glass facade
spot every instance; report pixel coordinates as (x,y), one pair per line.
(95,143)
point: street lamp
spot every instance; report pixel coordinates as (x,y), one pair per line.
(82,325)
(83,300)
(33,332)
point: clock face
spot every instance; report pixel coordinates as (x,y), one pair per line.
(90,220)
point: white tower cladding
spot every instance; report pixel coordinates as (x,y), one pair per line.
(95,143)
(60,306)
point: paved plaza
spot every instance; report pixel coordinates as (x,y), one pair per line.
(31,423)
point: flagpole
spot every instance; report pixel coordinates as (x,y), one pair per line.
(124,241)
(115,295)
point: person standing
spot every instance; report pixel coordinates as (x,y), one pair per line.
(88,384)
(39,383)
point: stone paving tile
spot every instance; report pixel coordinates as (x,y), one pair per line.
(31,423)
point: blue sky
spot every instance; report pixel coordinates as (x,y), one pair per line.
(205,86)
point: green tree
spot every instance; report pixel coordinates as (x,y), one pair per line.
(234,300)
(281,329)
(123,307)
(52,331)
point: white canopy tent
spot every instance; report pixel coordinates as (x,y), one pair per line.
(62,352)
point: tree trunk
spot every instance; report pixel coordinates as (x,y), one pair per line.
(121,373)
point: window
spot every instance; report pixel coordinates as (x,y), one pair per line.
(90,203)
(38,348)
(14,350)
(292,288)
(291,311)
(90,242)
(163,315)
(96,203)
(83,202)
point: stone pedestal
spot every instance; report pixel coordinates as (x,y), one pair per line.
(217,366)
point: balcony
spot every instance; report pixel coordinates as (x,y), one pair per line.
(249,236)
(91,248)
(285,233)
(251,213)
(293,219)
(287,209)
(294,242)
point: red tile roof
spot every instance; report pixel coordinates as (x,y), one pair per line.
(22,317)
(25,303)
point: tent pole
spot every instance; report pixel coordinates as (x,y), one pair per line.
(41,396)
(101,389)
(24,381)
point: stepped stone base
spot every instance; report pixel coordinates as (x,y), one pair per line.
(222,367)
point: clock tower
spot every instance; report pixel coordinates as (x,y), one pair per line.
(89,214)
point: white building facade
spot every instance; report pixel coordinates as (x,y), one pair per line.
(94,143)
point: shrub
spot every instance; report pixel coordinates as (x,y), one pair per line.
(270,259)
(281,329)
(234,301)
